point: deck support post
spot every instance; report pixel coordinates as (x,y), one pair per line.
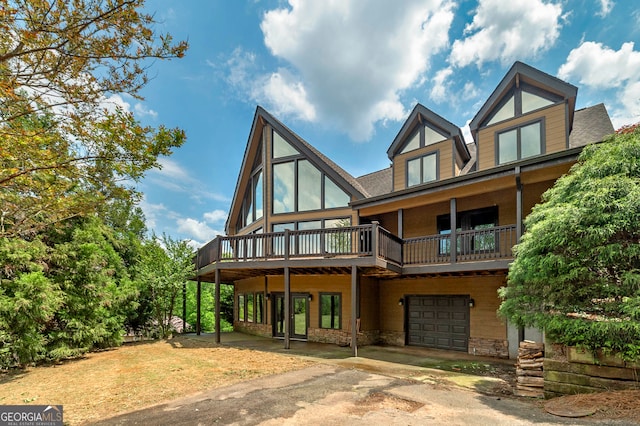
(287,307)
(518,205)
(184,307)
(217,307)
(454,230)
(198,292)
(354,310)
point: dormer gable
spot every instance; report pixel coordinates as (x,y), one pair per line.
(427,148)
(529,113)
(281,174)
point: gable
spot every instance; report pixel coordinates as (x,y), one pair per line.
(281,173)
(522,90)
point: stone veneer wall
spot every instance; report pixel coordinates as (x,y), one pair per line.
(489,347)
(569,370)
(393,338)
(253,328)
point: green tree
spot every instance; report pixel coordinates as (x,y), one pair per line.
(98,293)
(576,272)
(64,149)
(165,267)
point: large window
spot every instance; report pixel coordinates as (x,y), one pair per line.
(330,310)
(298,185)
(252,203)
(520,142)
(251,307)
(422,169)
(313,243)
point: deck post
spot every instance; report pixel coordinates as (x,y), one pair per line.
(217,303)
(198,291)
(454,233)
(287,307)
(184,307)
(354,310)
(374,239)
(518,205)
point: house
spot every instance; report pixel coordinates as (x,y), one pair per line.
(410,255)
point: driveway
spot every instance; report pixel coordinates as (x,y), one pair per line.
(349,391)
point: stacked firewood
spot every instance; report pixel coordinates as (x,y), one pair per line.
(529,375)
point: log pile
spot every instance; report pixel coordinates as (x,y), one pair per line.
(529,376)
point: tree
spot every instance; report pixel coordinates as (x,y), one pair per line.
(162,273)
(65,150)
(576,272)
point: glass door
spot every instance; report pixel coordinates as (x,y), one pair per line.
(299,320)
(299,316)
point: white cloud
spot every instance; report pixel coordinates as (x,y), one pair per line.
(215,216)
(605,7)
(600,67)
(142,111)
(439,90)
(504,31)
(350,61)
(286,94)
(196,229)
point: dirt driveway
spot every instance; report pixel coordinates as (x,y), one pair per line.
(331,394)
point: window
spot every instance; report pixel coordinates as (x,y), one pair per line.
(283,183)
(300,186)
(422,169)
(252,202)
(259,308)
(519,143)
(520,101)
(250,307)
(309,187)
(282,148)
(330,310)
(241,308)
(424,136)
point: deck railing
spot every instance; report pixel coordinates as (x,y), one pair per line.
(361,241)
(478,244)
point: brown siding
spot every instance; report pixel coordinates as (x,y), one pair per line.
(555,133)
(445,162)
(484,323)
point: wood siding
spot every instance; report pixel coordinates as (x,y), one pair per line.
(484,322)
(555,133)
(312,284)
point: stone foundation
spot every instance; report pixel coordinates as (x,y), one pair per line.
(489,347)
(263,330)
(392,338)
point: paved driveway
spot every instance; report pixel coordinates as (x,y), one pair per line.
(374,393)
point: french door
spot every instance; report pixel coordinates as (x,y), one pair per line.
(299,315)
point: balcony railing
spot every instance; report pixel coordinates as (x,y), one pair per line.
(474,245)
(360,241)
(363,240)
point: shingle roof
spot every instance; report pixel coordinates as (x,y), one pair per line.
(377,183)
(590,124)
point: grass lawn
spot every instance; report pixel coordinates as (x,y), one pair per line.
(134,376)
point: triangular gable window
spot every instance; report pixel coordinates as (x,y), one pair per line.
(522,100)
(424,136)
(282,148)
(505,112)
(531,102)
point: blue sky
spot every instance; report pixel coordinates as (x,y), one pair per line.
(345,74)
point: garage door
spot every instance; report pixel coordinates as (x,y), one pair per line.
(440,322)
